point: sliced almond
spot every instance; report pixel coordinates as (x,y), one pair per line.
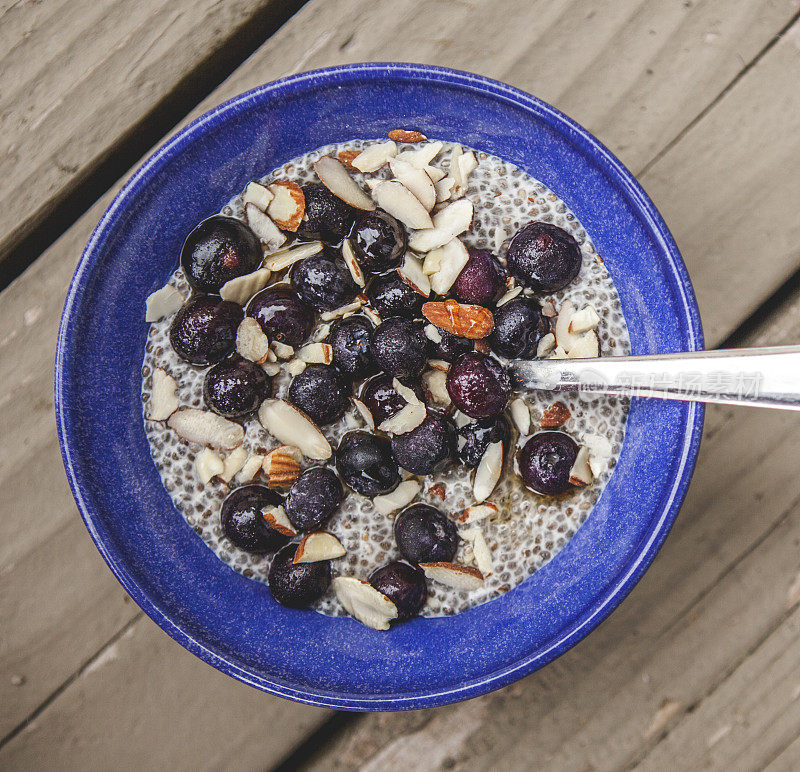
(337,179)
(600,451)
(372,315)
(405,420)
(558,353)
(421,156)
(322,332)
(480,549)
(451,221)
(454,575)
(436,174)
(433,381)
(364,412)
(556,415)
(509,295)
(549,309)
(396,199)
(283,258)
(262,225)
(438,490)
(581,472)
(208,464)
(162,303)
(460,169)
(295,367)
(277,520)
(206,428)
(257,194)
(342,311)
(405,392)
(444,189)
(316,353)
(546,345)
(314,547)
(433,261)
(521,415)
(233,464)
(439,364)
(271,368)
(585,319)
(250,468)
(500,236)
(416,180)
(564,337)
(282,466)
(242,288)
(282,350)
(163,396)
(351,262)
(454,258)
(404,135)
(288,204)
(293,427)
(411,273)
(251,342)
(432,333)
(399,498)
(461,419)
(372,158)
(586,347)
(461,319)
(363,602)
(488,472)
(478,512)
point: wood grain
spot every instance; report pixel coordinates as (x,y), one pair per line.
(37,515)
(78,75)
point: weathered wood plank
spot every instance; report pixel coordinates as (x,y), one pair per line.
(79,74)
(28,316)
(178,714)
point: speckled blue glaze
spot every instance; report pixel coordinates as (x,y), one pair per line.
(232,622)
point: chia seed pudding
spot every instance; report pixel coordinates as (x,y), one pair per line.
(494,531)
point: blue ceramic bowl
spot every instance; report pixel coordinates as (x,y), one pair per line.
(232,622)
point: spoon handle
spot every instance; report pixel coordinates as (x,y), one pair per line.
(761,377)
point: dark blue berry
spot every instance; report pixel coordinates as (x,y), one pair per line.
(313,498)
(321,393)
(364,461)
(425,535)
(544,257)
(323,281)
(427,448)
(244,524)
(297,585)
(402,584)
(480,280)
(379,241)
(327,217)
(399,347)
(235,388)
(349,339)
(217,250)
(478,385)
(545,461)
(390,296)
(450,346)
(203,331)
(474,438)
(282,315)
(518,328)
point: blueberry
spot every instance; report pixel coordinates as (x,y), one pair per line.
(235,388)
(450,346)
(281,314)
(543,257)
(349,339)
(321,393)
(297,585)
(217,250)
(473,438)
(398,346)
(323,281)
(364,461)
(203,331)
(402,584)
(390,296)
(518,328)
(327,217)
(478,385)
(381,399)
(427,448)
(313,498)
(242,521)
(545,460)
(379,241)
(480,280)
(424,535)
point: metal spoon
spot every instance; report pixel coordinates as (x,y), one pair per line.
(761,377)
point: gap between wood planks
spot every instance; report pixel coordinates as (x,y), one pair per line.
(188,92)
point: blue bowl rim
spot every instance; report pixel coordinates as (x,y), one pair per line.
(691,442)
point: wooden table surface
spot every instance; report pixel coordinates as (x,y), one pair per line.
(700,666)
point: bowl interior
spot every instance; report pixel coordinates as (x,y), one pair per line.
(232,622)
